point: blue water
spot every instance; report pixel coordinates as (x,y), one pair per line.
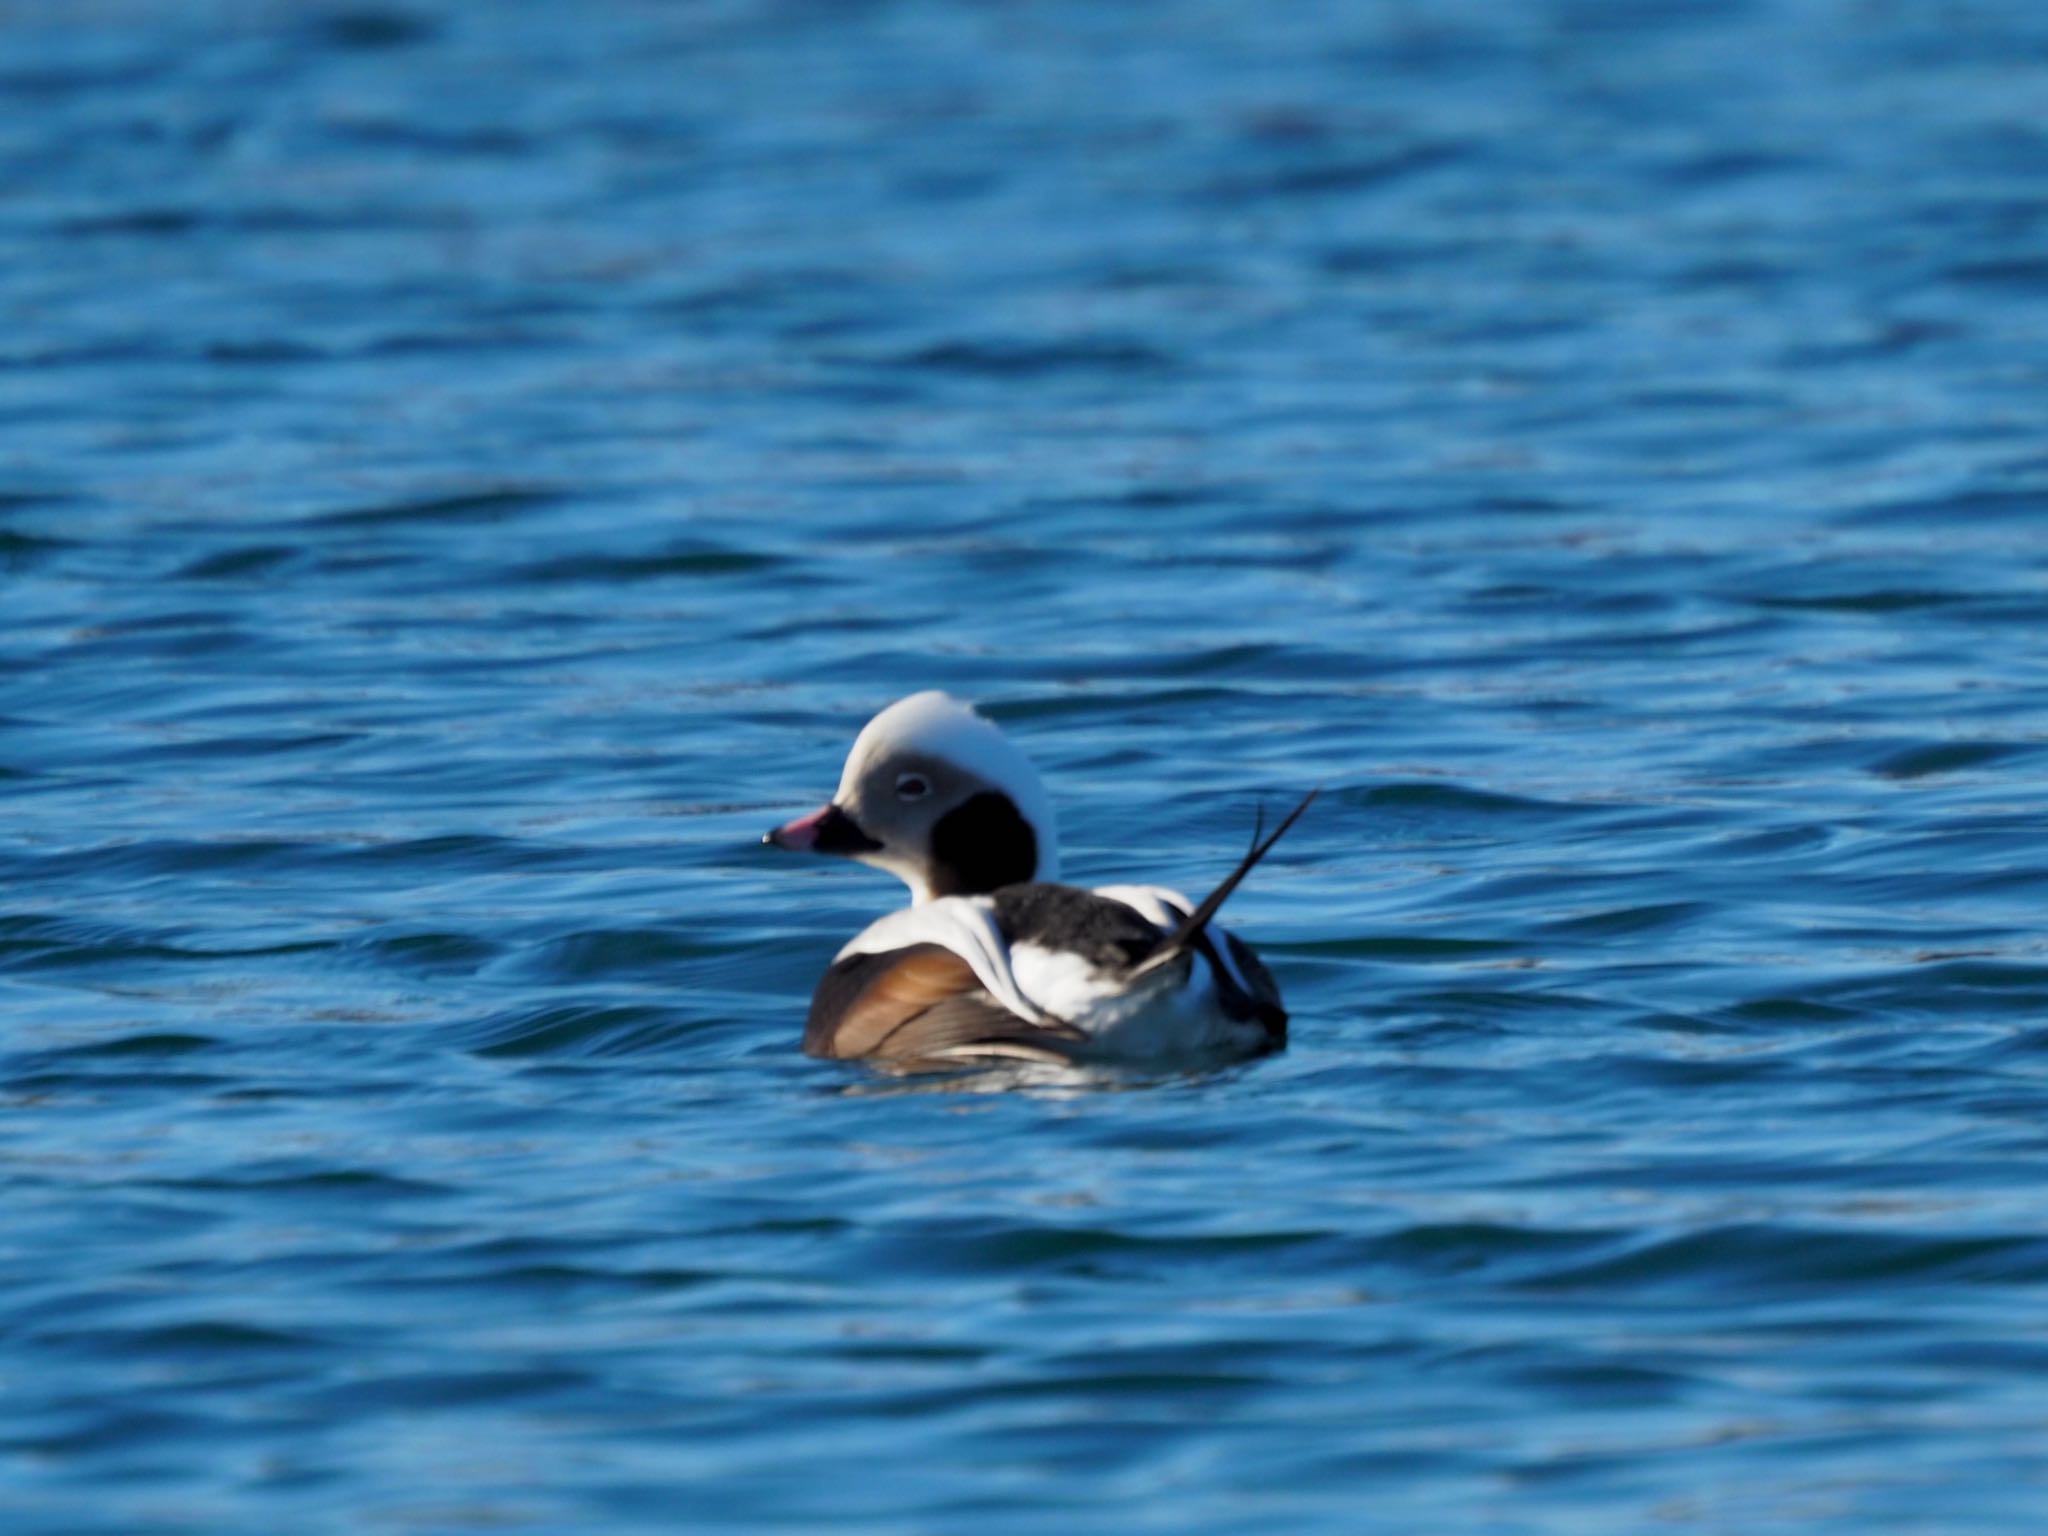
(466,469)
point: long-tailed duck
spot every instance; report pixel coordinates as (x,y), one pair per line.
(993,960)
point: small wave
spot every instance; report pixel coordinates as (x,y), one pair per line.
(21,551)
(43,940)
(576,1029)
(1019,359)
(428,953)
(371,28)
(1926,761)
(1332,177)
(1458,800)
(1653,917)
(1961,508)
(250,561)
(610,569)
(618,953)
(493,504)
(148,1043)
(1775,1257)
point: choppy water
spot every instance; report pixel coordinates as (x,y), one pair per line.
(466,469)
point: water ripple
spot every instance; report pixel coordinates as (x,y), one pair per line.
(481,464)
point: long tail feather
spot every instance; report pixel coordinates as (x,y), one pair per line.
(1185,936)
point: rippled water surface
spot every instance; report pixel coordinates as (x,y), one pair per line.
(467,469)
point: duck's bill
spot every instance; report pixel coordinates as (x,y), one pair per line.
(828,830)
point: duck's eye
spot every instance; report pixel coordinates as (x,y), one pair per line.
(912,786)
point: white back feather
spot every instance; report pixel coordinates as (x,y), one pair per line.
(967,926)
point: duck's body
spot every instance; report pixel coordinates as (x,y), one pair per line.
(995,960)
(1043,972)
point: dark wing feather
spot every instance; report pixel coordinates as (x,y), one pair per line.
(1262,1001)
(903,1007)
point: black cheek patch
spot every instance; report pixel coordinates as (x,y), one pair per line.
(981,846)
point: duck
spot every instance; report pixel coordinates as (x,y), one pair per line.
(995,960)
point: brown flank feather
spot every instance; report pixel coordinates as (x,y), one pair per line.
(925,976)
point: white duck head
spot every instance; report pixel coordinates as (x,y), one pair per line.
(936,795)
